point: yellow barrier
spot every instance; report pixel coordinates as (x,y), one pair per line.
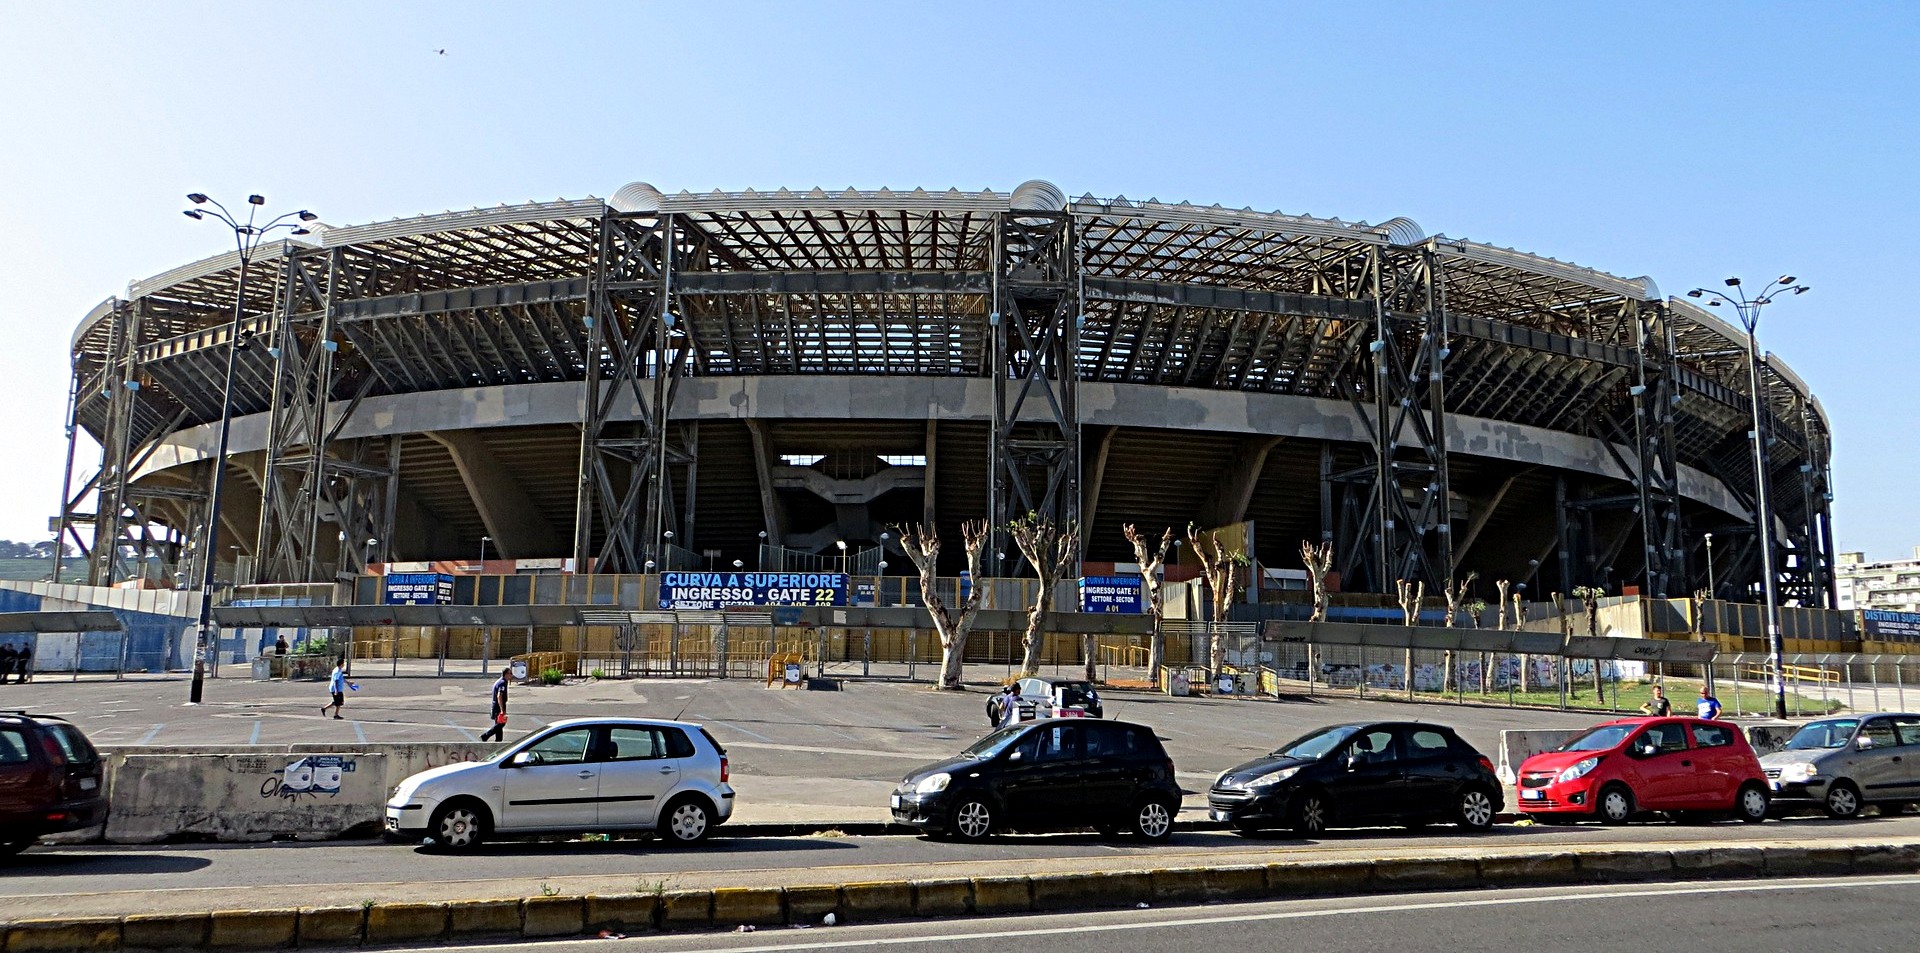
(1796,673)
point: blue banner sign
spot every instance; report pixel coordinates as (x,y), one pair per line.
(1885,625)
(1111,594)
(713,590)
(419,589)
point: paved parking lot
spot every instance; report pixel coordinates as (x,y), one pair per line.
(796,755)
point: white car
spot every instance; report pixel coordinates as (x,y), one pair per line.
(575,776)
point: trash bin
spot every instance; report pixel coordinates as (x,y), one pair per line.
(262,668)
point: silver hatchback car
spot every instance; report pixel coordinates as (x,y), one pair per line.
(1845,764)
(575,776)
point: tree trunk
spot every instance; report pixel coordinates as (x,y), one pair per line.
(1088,648)
(1036,639)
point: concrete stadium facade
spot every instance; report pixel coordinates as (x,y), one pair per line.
(670,381)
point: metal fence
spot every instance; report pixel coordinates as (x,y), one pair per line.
(1817,684)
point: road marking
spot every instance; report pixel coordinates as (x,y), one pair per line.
(1158,923)
(149,735)
(744,731)
(256,734)
(462,729)
(360,730)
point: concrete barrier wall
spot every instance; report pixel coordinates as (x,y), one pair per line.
(230,792)
(244,797)
(1517,746)
(1770,737)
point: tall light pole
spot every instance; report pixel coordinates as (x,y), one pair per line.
(484,540)
(247,237)
(1749,311)
(1711,592)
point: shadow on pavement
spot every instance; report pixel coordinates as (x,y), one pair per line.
(54,862)
(717,845)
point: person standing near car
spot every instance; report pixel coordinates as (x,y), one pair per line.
(338,684)
(1010,709)
(23,663)
(1709,706)
(497,718)
(1657,706)
(6,661)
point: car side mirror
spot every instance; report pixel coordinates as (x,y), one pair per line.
(1014,756)
(522,759)
(1353,762)
(1863,743)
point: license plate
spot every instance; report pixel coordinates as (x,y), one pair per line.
(88,784)
(1528,794)
(1775,783)
(393,823)
(894,802)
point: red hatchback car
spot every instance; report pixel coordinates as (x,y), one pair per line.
(1686,766)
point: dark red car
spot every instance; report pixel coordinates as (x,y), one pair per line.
(1684,766)
(50,779)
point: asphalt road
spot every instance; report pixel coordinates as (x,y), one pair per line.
(1847,915)
(796,755)
(98,879)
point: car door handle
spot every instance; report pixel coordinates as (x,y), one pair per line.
(586,774)
(669,769)
(1686,764)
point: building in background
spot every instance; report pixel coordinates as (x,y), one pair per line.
(1894,584)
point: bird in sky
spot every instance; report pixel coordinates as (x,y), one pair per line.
(441,52)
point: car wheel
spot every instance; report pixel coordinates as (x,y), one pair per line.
(1475,809)
(687,820)
(1752,803)
(1310,815)
(8,848)
(1843,801)
(1615,805)
(1153,820)
(458,825)
(972,820)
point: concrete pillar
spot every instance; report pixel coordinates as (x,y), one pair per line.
(516,525)
(1233,490)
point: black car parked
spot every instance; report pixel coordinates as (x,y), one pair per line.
(1056,774)
(1358,775)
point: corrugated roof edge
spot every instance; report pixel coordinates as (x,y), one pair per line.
(1635,288)
(98,314)
(1738,338)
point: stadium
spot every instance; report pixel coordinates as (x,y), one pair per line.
(774,379)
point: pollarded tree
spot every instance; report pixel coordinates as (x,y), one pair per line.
(1218,562)
(922,545)
(1150,581)
(1052,548)
(1319,560)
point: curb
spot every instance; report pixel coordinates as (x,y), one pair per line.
(729,907)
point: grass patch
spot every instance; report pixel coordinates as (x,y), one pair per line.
(1625,698)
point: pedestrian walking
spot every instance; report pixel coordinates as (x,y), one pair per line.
(6,661)
(1010,709)
(1658,705)
(338,685)
(497,727)
(23,663)
(1709,706)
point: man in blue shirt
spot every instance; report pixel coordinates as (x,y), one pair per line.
(338,684)
(498,717)
(1709,706)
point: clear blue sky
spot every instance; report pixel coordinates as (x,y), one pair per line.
(1685,141)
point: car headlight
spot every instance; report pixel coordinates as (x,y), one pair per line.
(1269,780)
(933,783)
(1578,769)
(1802,771)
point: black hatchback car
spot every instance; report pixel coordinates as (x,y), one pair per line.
(1360,775)
(1051,775)
(50,779)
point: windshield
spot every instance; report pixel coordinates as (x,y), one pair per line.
(1316,744)
(994,743)
(1076,693)
(1599,739)
(1823,734)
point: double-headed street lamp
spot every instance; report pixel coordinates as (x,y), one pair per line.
(1749,310)
(247,236)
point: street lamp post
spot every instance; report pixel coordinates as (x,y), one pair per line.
(1749,311)
(484,540)
(247,237)
(1711,592)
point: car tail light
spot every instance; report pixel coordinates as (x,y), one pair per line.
(57,816)
(1169,769)
(723,769)
(1486,765)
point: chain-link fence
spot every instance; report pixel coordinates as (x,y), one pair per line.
(1816,684)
